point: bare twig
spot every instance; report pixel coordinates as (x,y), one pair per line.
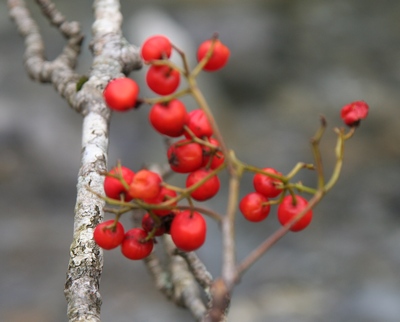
(161,276)
(197,267)
(60,71)
(186,290)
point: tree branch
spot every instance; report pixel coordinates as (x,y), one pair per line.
(113,55)
(186,290)
(60,71)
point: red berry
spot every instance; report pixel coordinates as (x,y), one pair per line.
(354,112)
(198,123)
(156,47)
(113,187)
(145,185)
(265,185)
(169,118)
(135,246)
(208,189)
(288,209)
(106,237)
(121,94)
(148,225)
(188,230)
(185,156)
(254,207)
(219,56)
(216,156)
(162,80)
(164,195)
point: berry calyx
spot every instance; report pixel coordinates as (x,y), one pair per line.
(108,236)
(163,80)
(146,184)
(289,208)
(114,188)
(156,47)
(169,118)
(266,185)
(185,156)
(188,230)
(135,246)
(121,94)
(254,207)
(208,189)
(198,123)
(219,57)
(354,112)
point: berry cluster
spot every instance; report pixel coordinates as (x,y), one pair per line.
(196,150)
(255,206)
(196,153)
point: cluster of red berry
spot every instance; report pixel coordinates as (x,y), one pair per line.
(255,206)
(196,153)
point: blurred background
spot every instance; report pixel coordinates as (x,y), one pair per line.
(291,61)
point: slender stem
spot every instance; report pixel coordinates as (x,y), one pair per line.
(339,150)
(297,168)
(198,96)
(228,230)
(167,98)
(205,59)
(315,140)
(212,214)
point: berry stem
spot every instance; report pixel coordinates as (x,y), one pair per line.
(198,96)
(298,167)
(166,98)
(185,62)
(339,151)
(167,62)
(205,59)
(212,214)
(315,140)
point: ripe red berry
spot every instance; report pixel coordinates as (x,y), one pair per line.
(219,56)
(354,112)
(148,225)
(288,209)
(198,123)
(254,207)
(121,94)
(162,80)
(265,185)
(135,246)
(185,156)
(188,230)
(106,237)
(146,184)
(113,187)
(169,118)
(164,195)
(216,156)
(208,189)
(156,47)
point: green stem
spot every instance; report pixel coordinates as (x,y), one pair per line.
(198,96)
(167,98)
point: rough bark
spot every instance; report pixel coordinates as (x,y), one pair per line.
(113,56)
